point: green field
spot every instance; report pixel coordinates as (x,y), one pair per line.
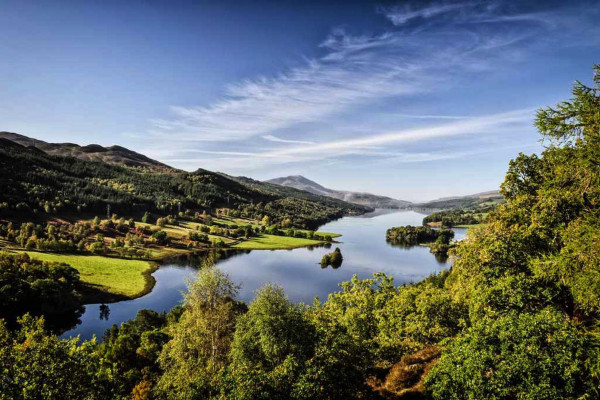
(268,242)
(130,278)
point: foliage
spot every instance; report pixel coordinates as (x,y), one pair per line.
(519,355)
(334,259)
(38,366)
(271,343)
(531,277)
(454,217)
(199,346)
(129,353)
(413,235)
(29,285)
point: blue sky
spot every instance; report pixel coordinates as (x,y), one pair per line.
(415,100)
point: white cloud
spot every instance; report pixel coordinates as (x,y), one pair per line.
(272,138)
(482,124)
(401,15)
(386,145)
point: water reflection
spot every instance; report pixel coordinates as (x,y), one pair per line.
(104,312)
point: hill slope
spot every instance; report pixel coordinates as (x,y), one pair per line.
(365,199)
(46,186)
(463,202)
(115,155)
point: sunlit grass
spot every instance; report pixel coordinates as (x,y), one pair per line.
(263,242)
(112,275)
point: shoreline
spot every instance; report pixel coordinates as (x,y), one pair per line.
(93,293)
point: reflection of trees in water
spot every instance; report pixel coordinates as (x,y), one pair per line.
(60,323)
(401,245)
(439,257)
(196,260)
(104,311)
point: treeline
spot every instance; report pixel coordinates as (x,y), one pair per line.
(451,218)
(414,235)
(439,241)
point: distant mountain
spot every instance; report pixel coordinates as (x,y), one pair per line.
(365,199)
(115,155)
(465,202)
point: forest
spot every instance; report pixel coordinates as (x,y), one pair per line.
(516,317)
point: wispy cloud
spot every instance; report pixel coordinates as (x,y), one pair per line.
(402,14)
(272,138)
(361,69)
(376,145)
(304,94)
(422,50)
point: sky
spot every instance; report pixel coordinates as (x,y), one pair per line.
(410,99)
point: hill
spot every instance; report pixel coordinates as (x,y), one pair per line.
(39,184)
(365,199)
(114,155)
(463,202)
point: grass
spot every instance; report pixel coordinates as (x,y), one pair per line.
(272,242)
(116,276)
(333,235)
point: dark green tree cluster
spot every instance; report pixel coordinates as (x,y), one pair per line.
(334,259)
(414,235)
(450,218)
(42,288)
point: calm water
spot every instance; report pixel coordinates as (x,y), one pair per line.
(298,271)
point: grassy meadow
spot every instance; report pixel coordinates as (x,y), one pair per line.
(117,276)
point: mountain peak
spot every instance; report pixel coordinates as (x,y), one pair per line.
(365,199)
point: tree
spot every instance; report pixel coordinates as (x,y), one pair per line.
(531,277)
(201,340)
(266,221)
(146,218)
(161,237)
(272,342)
(336,258)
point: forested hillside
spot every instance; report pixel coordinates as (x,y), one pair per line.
(39,185)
